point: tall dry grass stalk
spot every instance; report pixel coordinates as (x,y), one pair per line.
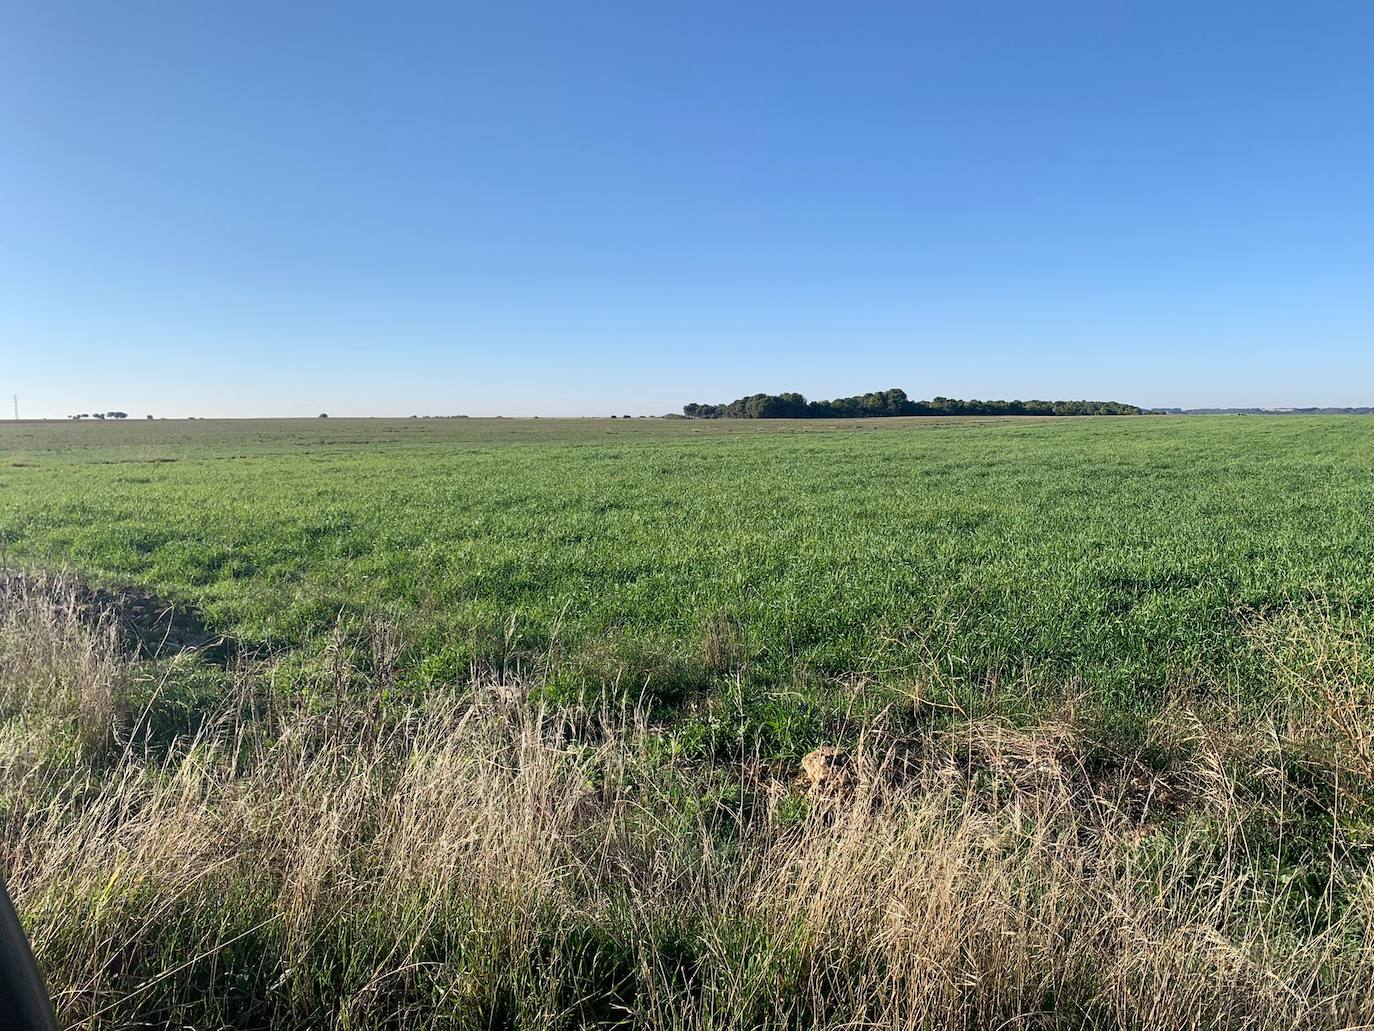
(477,861)
(1316,661)
(60,667)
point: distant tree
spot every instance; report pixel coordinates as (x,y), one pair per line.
(891,402)
(147,416)
(116,415)
(99,415)
(324,415)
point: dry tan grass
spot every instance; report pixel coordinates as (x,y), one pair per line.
(60,663)
(477,861)
(1314,659)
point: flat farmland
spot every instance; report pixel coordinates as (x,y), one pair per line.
(923,723)
(1120,554)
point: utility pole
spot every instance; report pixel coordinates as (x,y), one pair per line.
(16,407)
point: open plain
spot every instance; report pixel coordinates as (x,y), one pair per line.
(481,723)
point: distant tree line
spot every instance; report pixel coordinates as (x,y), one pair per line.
(1362,410)
(101,415)
(889,403)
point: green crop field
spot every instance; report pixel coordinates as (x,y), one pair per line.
(1122,554)
(515,724)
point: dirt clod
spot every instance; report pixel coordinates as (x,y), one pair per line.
(828,770)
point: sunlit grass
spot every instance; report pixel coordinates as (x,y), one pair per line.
(326,856)
(509,730)
(1115,552)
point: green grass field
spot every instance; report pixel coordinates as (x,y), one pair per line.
(514,734)
(1122,554)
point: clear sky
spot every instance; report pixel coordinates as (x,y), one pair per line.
(245,208)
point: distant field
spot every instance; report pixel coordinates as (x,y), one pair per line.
(1120,554)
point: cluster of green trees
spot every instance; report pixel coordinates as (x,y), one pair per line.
(101,415)
(892,402)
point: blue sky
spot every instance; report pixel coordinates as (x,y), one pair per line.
(277,209)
